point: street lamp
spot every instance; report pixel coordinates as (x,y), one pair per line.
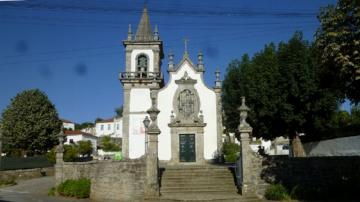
(146,124)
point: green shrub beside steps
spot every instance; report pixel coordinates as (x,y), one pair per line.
(75,188)
(276,192)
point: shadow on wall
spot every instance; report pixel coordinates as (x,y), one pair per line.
(315,178)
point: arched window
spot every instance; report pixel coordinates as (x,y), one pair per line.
(142,63)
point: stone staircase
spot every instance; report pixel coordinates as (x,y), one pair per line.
(199,183)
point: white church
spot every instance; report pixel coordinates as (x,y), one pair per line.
(190,112)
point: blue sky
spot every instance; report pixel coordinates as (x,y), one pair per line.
(72,50)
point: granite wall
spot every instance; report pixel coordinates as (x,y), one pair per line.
(23,174)
(318,177)
(110,180)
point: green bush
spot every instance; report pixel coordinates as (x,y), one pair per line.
(231,158)
(108,145)
(75,188)
(51,156)
(85,147)
(276,192)
(71,153)
(231,152)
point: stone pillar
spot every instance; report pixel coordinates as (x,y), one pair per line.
(126,117)
(247,186)
(59,159)
(217,89)
(152,189)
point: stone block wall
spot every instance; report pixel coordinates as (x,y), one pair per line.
(110,180)
(23,174)
(323,177)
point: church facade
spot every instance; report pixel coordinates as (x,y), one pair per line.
(189,112)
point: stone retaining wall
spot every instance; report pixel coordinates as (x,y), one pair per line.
(110,180)
(322,177)
(23,174)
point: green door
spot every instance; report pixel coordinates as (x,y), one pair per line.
(187,148)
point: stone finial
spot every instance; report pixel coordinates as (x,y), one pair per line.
(153,112)
(200,64)
(244,126)
(61,138)
(130,35)
(217,78)
(156,33)
(171,66)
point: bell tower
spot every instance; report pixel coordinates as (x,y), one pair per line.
(143,55)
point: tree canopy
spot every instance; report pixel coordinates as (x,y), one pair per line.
(283,89)
(30,123)
(119,111)
(84,125)
(338,42)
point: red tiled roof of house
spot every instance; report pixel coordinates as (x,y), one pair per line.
(66,121)
(77,132)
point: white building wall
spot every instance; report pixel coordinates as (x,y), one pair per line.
(69,125)
(207,105)
(147,52)
(77,138)
(74,138)
(104,128)
(118,127)
(140,102)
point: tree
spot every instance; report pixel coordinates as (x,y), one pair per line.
(84,125)
(119,112)
(284,91)
(30,123)
(85,147)
(338,41)
(108,145)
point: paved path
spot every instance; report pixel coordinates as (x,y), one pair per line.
(33,190)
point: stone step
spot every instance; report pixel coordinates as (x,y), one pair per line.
(185,183)
(206,178)
(198,173)
(171,185)
(198,190)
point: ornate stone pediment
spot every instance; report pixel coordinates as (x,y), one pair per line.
(186,104)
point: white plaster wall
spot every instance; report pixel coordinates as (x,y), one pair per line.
(75,138)
(207,105)
(118,127)
(136,135)
(106,130)
(147,52)
(139,99)
(140,102)
(69,125)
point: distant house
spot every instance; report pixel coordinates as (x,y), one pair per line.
(75,136)
(111,127)
(69,125)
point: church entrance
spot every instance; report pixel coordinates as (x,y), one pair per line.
(187,148)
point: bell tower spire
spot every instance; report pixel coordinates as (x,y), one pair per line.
(144,32)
